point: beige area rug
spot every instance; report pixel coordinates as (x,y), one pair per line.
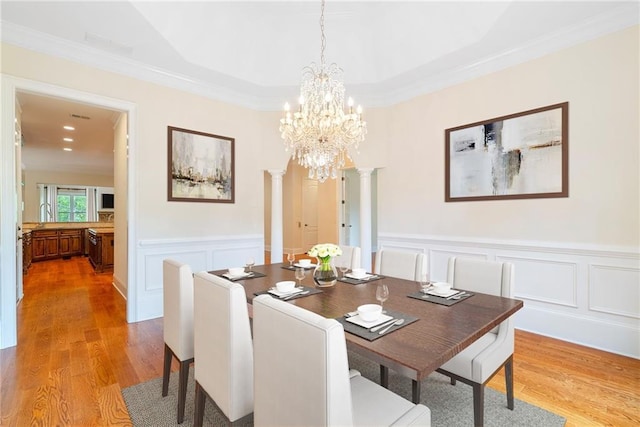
(450,405)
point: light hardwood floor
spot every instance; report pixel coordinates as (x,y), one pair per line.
(76,352)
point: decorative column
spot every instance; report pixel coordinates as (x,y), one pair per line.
(277,248)
(365,216)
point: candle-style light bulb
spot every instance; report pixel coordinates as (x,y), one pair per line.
(286,106)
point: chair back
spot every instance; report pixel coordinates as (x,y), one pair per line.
(301,367)
(223,346)
(401,264)
(350,257)
(177,300)
(488,277)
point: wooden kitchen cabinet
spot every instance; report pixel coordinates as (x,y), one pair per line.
(70,242)
(50,243)
(44,244)
(100,248)
(27,251)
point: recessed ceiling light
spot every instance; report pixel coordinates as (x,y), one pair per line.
(69,127)
(68,139)
(67,149)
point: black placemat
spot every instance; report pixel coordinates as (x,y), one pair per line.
(439,300)
(253,275)
(310,291)
(294,267)
(372,336)
(353,281)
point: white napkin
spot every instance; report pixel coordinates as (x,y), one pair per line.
(280,294)
(443,295)
(232,277)
(365,277)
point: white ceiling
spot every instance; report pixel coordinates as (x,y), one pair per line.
(251,53)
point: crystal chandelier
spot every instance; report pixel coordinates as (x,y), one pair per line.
(320,133)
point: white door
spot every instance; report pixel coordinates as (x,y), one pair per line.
(309,213)
(350,221)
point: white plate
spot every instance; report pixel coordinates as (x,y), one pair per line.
(232,277)
(274,291)
(358,321)
(304,266)
(445,294)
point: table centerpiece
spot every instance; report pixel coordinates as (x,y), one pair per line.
(325,273)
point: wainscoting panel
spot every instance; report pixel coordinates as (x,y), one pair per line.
(545,280)
(607,283)
(202,254)
(586,295)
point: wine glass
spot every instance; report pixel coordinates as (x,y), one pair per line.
(382,293)
(300,274)
(424,282)
(291,257)
(344,269)
(250,263)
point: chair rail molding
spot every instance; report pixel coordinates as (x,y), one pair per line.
(585,294)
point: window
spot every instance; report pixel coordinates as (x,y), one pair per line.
(71,205)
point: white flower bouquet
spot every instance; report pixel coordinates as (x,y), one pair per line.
(325,251)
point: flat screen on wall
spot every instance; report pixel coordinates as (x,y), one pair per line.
(107,201)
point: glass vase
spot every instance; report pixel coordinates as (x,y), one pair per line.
(325,273)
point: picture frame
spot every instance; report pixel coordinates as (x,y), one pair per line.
(201,166)
(519,156)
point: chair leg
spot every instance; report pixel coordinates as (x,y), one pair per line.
(384,376)
(198,413)
(182,388)
(508,374)
(452,381)
(166,370)
(478,404)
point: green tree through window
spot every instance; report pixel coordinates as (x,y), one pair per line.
(72,206)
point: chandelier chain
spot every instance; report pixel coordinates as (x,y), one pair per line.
(323,40)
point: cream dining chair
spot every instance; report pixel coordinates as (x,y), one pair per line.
(302,377)
(350,257)
(223,348)
(478,363)
(177,299)
(401,264)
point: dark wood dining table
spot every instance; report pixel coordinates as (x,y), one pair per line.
(415,350)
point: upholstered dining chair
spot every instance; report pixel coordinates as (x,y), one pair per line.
(223,348)
(479,362)
(302,377)
(177,297)
(401,264)
(350,257)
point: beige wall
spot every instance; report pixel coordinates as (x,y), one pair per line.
(32,178)
(599,79)
(158,107)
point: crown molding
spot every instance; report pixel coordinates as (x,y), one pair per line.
(419,81)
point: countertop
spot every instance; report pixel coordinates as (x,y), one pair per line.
(30,226)
(103,230)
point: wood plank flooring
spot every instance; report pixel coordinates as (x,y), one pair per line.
(76,352)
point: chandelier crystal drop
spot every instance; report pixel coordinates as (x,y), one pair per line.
(321,131)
